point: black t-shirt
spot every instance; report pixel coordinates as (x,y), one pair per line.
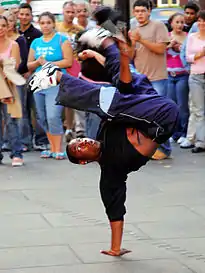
(117,151)
(187,27)
(31,34)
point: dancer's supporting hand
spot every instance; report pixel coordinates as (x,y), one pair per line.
(115,253)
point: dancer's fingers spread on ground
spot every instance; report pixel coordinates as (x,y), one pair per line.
(113,253)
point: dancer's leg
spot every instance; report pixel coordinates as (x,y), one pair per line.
(81,95)
(116,64)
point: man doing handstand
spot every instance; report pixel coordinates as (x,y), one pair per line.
(134,121)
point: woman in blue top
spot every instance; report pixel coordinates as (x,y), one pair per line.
(51,47)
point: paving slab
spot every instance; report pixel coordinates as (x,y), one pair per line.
(164,214)
(26,221)
(177,229)
(36,256)
(141,250)
(63,236)
(119,266)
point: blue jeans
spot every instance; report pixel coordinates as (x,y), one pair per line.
(178,91)
(37,132)
(12,131)
(161,88)
(49,114)
(24,126)
(92,125)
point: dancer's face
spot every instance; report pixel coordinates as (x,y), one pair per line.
(85,149)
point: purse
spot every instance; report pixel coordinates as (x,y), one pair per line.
(75,69)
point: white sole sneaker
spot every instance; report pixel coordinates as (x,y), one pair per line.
(17,162)
(43,79)
(94,37)
(181,140)
(186,144)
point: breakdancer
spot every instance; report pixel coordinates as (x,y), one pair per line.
(135,121)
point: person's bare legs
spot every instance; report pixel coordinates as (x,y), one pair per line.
(50,139)
(57,141)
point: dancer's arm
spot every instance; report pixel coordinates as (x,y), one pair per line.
(125,77)
(86,54)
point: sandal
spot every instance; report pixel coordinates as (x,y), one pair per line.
(60,156)
(46,154)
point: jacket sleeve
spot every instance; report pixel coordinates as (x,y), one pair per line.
(23,53)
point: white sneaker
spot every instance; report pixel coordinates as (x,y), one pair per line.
(171,140)
(42,147)
(181,140)
(17,162)
(44,79)
(187,144)
(94,37)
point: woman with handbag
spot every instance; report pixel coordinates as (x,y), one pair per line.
(9,53)
(51,47)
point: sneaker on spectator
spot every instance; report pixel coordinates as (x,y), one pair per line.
(94,37)
(171,140)
(69,135)
(5,148)
(17,162)
(181,140)
(42,147)
(25,148)
(187,144)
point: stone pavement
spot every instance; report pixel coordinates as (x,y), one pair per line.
(52,219)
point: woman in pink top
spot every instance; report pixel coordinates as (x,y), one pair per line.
(196,56)
(9,48)
(178,89)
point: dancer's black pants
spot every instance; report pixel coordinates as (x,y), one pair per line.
(119,158)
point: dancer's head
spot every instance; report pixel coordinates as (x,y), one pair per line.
(83,150)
